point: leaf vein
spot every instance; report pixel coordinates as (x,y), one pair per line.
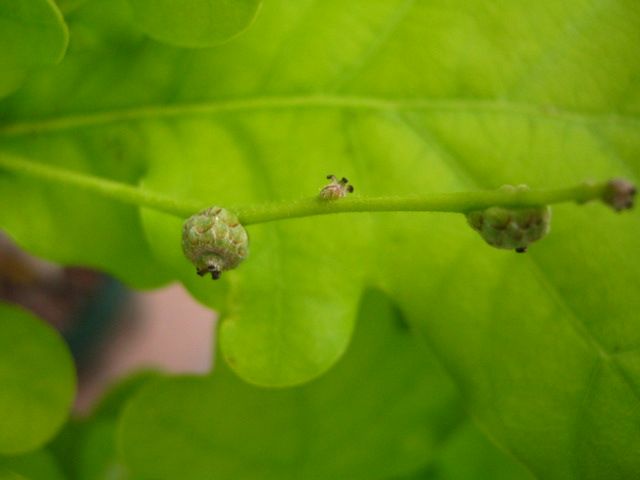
(463,106)
(580,329)
(392,26)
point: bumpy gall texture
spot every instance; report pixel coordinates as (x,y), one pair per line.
(214,241)
(511,228)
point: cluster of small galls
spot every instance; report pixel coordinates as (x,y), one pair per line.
(215,241)
(511,228)
(517,228)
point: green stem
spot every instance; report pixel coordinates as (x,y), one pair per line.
(107,188)
(456,202)
(459,202)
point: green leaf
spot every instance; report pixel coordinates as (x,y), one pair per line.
(96,458)
(115,398)
(468,455)
(194,23)
(32,34)
(37,381)
(86,447)
(381,411)
(401,97)
(66,445)
(38,465)
(319,279)
(68,6)
(539,343)
(7,475)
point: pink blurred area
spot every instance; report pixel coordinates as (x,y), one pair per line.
(164,330)
(114,331)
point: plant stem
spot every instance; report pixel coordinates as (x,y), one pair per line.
(458,202)
(118,191)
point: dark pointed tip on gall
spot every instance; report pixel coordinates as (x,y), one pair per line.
(521,249)
(619,194)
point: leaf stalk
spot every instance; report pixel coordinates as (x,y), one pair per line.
(455,202)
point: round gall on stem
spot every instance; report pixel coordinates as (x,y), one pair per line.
(214,241)
(511,228)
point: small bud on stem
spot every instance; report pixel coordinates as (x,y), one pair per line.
(336,189)
(619,194)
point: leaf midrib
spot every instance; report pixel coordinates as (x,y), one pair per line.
(323,101)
